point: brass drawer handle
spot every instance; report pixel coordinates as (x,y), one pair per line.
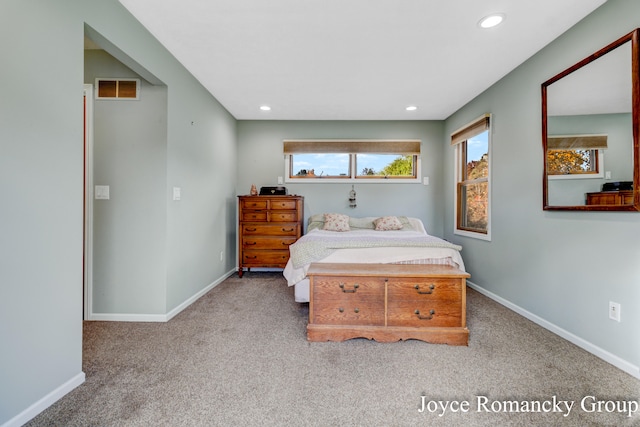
(251,257)
(429,292)
(285,243)
(422,317)
(250,229)
(251,243)
(355,310)
(287,230)
(349,291)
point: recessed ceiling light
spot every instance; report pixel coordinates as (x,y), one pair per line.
(265,108)
(411,108)
(492,20)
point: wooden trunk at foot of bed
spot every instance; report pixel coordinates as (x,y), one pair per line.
(387,303)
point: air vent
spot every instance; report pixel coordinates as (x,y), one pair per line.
(118,89)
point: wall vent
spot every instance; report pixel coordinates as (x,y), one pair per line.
(118,89)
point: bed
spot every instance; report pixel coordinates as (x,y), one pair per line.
(338,238)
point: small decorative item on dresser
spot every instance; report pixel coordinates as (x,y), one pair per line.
(268,225)
(254,190)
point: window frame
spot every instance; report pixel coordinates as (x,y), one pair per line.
(353,147)
(459,140)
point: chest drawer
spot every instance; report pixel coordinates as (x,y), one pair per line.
(423,289)
(249,229)
(424,313)
(283,216)
(253,203)
(267,242)
(283,205)
(348,301)
(254,216)
(338,288)
(265,258)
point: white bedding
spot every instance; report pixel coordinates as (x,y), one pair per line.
(373,255)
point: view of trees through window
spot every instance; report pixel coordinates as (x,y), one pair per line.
(368,165)
(474,185)
(568,162)
(394,165)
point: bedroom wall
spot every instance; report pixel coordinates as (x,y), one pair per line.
(41,178)
(260,148)
(562,268)
(129,155)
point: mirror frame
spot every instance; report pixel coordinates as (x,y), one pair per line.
(635,112)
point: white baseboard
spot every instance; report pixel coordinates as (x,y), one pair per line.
(616,361)
(48,400)
(124,317)
(170,315)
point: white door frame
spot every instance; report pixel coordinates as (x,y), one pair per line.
(88,203)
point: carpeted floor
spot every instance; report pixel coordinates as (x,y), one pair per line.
(239,357)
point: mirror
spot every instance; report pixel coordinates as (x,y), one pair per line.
(590,132)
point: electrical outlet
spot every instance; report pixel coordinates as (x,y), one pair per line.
(614,311)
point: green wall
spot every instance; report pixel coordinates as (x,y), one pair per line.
(559,268)
(260,148)
(41,174)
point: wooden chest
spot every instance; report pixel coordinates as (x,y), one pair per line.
(267,226)
(387,303)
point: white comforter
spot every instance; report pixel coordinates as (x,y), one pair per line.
(438,250)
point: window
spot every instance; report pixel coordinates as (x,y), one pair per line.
(575,156)
(351,160)
(473,170)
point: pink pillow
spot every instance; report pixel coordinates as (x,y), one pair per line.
(387,223)
(336,222)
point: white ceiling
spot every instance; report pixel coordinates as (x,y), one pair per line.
(352,59)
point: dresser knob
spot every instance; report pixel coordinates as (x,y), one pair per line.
(341,310)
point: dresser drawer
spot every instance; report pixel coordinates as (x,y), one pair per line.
(254,216)
(267,242)
(348,301)
(421,289)
(253,203)
(270,229)
(350,313)
(424,313)
(266,258)
(283,216)
(283,205)
(337,288)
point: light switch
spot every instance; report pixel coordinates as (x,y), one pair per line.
(176,193)
(101,192)
(280,180)
(425,180)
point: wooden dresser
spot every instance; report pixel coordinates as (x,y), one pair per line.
(387,303)
(622,197)
(267,226)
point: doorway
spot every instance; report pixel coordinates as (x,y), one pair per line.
(87,256)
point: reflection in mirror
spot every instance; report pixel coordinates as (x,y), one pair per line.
(589,140)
